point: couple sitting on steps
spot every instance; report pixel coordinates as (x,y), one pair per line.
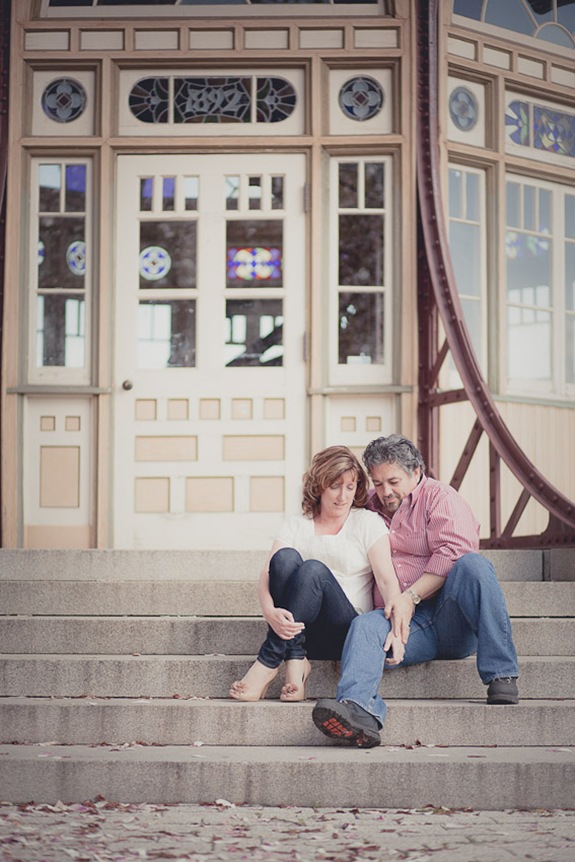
(378,578)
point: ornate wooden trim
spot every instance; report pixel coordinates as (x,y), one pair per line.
(438,298)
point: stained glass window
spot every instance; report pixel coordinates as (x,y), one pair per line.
(217,99)
(361,98)
(254,251)
(64,100)
(540,127)
(254,264)
(463,109)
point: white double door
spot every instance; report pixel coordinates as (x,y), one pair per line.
(209,325)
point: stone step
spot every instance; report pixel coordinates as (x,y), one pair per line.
(211,676)
(218,599)
(168,635)
(322,776)
(162,721)
(115,565)
(515,565)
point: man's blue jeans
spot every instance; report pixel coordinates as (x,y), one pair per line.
(468,615)
(310,591)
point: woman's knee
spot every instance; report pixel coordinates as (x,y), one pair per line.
(316,570)
(285,560)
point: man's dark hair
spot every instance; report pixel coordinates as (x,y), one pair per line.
(393,449)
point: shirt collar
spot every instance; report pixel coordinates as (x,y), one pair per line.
(412,497)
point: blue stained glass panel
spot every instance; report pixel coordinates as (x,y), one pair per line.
(517,123)
(463,109)
(553,131)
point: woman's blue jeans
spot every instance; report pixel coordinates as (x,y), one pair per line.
(468,615)
(310,591)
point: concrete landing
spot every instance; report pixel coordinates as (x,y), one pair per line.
(483,778)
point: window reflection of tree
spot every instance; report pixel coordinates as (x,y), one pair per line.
(257,349)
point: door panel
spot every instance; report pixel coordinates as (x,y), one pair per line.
(209,332)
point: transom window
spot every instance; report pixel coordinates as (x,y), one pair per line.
(53,8)
(548,20)
(238,102)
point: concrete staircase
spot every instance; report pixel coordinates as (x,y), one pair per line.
(115,668)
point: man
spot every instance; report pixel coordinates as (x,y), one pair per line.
(451,603)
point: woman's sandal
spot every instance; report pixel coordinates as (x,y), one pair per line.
(255,683)
(294,689)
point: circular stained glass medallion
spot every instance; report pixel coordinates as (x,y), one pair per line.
(155,263)
(64,100)
(76,257)
(361,98)
(463,109)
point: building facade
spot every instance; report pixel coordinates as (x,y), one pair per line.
(219,258)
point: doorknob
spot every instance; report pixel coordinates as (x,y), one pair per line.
(127,385)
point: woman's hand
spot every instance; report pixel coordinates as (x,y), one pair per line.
(396,648)
(400,610)
(283,623)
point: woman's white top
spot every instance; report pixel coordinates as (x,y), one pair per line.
(345,554)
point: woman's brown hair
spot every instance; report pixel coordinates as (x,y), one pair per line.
(325,469)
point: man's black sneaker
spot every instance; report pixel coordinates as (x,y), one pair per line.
(502,690)
(346,721)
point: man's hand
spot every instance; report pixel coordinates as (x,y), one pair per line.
(400,612)
(283,623)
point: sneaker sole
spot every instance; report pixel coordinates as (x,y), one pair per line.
(501,700)
(332,724)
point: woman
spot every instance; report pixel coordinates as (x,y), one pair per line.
(319,576)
